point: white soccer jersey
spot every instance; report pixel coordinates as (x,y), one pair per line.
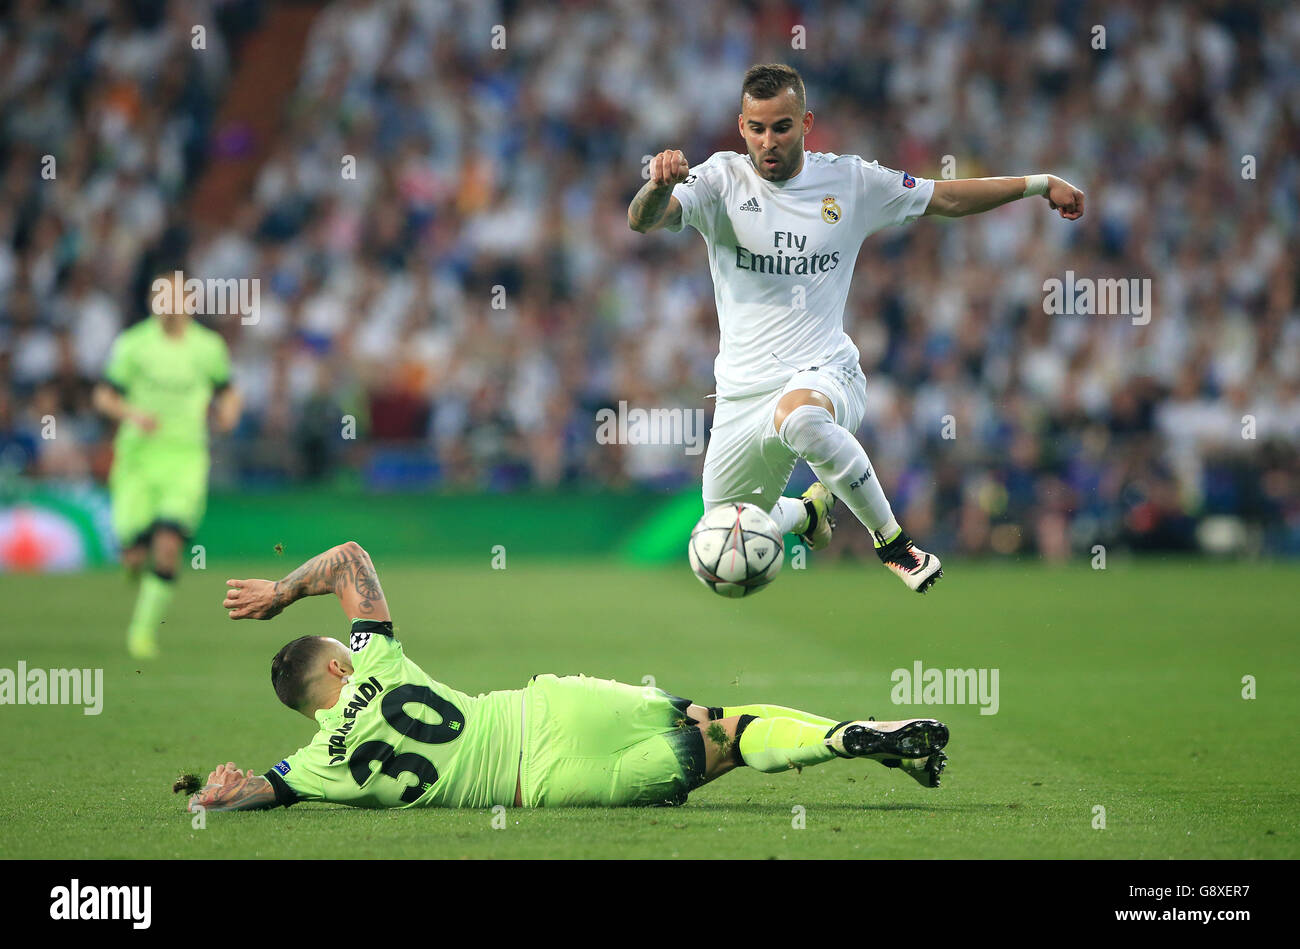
(782,253)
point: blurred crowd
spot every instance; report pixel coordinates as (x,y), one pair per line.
(440,234)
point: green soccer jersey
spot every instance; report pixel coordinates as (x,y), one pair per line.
(397,738)
(171,378)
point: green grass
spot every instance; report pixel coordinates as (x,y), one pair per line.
(1120,688)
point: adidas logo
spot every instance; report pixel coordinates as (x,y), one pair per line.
(751,205)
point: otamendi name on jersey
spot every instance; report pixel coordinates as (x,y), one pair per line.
(365,692)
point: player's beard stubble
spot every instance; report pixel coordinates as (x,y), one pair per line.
(787,162)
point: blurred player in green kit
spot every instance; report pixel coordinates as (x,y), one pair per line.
(161,377)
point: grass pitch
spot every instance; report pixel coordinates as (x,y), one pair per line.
(1119,689)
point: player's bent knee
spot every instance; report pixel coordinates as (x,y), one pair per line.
(719,735)
(805,428)
(166,548)
(796,399)
(721,751)
(167,538)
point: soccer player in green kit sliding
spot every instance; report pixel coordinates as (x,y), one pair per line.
(161,376)
(391,736)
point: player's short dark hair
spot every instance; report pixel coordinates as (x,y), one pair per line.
(293,669)
(771,79)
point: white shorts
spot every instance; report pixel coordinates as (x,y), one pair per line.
(746,460)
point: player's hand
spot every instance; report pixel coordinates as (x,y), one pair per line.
(669,168)
(225,779)
(1064,197)
(225,775)
(146,421)
(226,417)
(252,599)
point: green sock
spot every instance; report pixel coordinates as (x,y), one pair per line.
(887,533)
(777,711)
(779,744)
(150,607)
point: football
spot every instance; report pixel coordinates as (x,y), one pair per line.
(736,550)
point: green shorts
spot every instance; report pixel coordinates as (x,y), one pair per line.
(599,743)
(151,489)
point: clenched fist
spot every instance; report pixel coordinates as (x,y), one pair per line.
(1064,197)
(669,168)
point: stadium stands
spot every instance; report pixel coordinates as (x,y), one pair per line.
(479,168)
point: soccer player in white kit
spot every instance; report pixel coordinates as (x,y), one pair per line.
(783,228)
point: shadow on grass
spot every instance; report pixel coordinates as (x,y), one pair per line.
(839,807)
(335,812)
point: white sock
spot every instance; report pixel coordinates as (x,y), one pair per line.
(791,515)
(841,463)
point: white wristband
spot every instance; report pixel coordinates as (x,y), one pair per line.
(1035,184)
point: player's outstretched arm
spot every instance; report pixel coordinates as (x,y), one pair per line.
(229,789)
(345,571)
(973,195)
(654,205)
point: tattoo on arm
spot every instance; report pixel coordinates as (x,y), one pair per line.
(366,584)
(341,570)
(249,794)
(647,209)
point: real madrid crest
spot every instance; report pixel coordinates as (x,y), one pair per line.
(830,210)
